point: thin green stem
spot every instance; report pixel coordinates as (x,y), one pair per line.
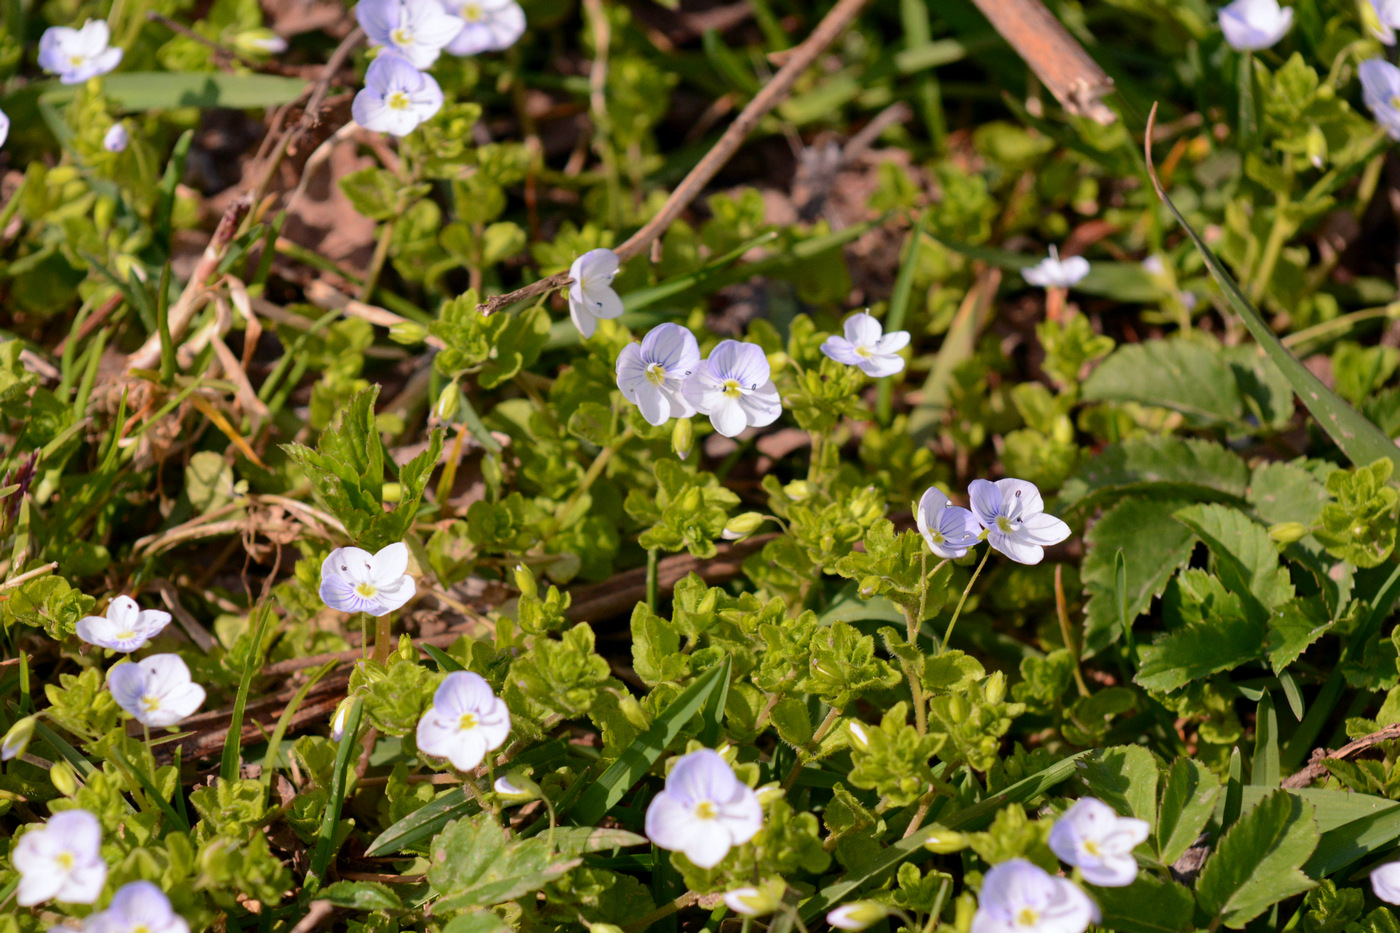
(376,263)
(652,562)
(967,589)
(1279,233)
(803,754)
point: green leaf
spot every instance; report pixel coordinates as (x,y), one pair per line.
(1359,439)
(1154,545)
(1359,839)
(1189,794)
(1218,635)
(1148,905)
(361,895)
(476,863)
(1183,375)
(1257,862)
(1246,556)
(1286,492)
(167,90)
(603,794)
(1164,466)
(1125,778)
(1292,628)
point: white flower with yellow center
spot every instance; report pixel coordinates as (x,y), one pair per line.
(867,346)
(138,907)
(487,25)
(1054,272)
(78,54)
(651,373)
(1019,897)
(354,580)
(1099,842)
(396,97)
(465,721)
(61,861)
(415,29)
(157,690)
(125,628)
(1013,514)
(704,811)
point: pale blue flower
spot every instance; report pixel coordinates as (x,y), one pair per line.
(651,373)
(734,386)
(1020,897)
(157,690)
(591,294)
(704,811)
(1251,25)
(78,54)
(1380,89)
(1054,272)
(138,907)
(868,347)
(487,25)
(61,861)
(354,580)
(416,29)
(116,138)
(1013,514)
(465,721)
(396,97)
(4,127)
(1385,881)
(948,530)
(125,628)
(1099,842)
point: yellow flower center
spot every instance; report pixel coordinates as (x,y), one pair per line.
(1394,101)
(471,12)
(937,537)
(1004,524)
(401,36)
(732,388)
(77,60)
(1091,847)
(367,590)
(705,810)
(150,703)
(656,374)
(1027,917)
(865,352)
(65,860)
(467,722)
(124,636)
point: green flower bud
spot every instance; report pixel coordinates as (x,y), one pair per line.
(798,490)
(391,492)
(943,841)
(756,902)
(683,438)
(859,737)
(1288,532)
(525,581)
(742,525)
(408,333)
(448,403)
(869,586)
(63,779)
(857,916)
(996,687)
(17,739)
(515,787)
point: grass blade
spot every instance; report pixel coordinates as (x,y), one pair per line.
(899,308)
(1358,438)
(233,744)
(344,755)
(602,795)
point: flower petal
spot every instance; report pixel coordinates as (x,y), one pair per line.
(863,330)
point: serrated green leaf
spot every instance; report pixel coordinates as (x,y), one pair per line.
(1246,556)
(1183,375)
(1125,778)
(1190,468)
(1189,794)
(1257,862)
(1148,905)
(361,895)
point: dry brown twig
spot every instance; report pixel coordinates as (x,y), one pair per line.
(1060,62)
(773,93)
(1317,766)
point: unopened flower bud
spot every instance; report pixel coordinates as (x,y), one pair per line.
(944,841)
(683,438)
(691,500)
(1288,532)
(1316,146)
(859,738)
(338,720)
(769,793)
(798,490)
(408,333)
(869,586)
(604,928)
(63,779)
(116,139)
(407,649)
(260,42)
(996,687)
(525,581)
(448,403)
(756,902)
(742,525)
(515,787)
(17,739)
(857,916)
(391,492)
(958,708)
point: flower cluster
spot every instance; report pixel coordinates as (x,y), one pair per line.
(1008,513)
(399,94)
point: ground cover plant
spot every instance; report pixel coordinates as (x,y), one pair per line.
(479,466)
